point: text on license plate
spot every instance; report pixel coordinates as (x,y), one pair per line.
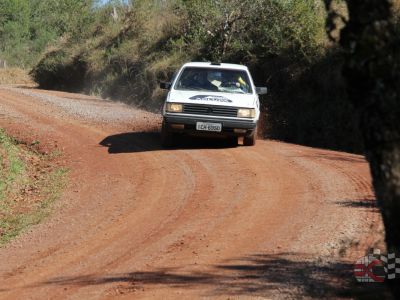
(216,127)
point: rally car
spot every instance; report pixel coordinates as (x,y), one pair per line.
(212,99)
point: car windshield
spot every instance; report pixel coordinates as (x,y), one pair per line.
(214,80)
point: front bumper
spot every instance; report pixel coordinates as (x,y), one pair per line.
(230,127)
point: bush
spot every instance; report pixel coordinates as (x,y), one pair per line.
(15,76)
(28,27)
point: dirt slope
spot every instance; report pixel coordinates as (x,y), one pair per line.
(200,221)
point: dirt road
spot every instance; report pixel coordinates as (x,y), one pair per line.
(201,221)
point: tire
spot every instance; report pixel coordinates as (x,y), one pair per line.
(167,137)
(250,140)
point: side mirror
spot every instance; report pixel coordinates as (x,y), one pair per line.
(262,90)
(165,85)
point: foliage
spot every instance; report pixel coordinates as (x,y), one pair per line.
(28,27)
(126,57)
(234,29)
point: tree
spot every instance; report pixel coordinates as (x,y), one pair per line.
(371,42)
(14,27)
(27,27)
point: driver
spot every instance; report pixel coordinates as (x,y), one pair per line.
(201,81)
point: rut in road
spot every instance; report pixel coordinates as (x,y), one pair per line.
(202,220)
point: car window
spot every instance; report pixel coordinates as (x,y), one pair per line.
(214,80)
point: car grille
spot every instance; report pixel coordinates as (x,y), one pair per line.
(209,110)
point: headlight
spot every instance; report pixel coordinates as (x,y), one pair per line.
(246,113)
(174,107)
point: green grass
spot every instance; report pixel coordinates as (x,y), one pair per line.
(29,185)
(11,166)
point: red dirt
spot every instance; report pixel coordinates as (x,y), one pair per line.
(204,220)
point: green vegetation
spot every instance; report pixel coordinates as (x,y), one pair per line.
(29,184)
(123,49)
(125,57)
(28,27)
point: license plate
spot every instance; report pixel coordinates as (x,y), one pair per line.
(215,127)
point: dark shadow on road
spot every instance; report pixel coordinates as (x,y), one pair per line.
(260,275)
(368,203)
(130,142)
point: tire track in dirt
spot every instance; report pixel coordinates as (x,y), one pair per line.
(145,210)
(351,192)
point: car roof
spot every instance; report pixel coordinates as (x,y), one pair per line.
(216,65)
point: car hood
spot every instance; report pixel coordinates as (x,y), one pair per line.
(212,98)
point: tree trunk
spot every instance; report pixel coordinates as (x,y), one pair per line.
(372,71)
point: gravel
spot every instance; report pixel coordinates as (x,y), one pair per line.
(93,109)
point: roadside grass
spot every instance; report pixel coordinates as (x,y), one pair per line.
(15,76)
(30,183)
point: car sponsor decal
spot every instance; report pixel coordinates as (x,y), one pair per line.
(211,98)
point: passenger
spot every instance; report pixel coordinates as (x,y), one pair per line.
(243,85)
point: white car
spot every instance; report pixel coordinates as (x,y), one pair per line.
(211,99)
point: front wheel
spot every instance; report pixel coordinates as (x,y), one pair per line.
(167,137)
(250,140)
